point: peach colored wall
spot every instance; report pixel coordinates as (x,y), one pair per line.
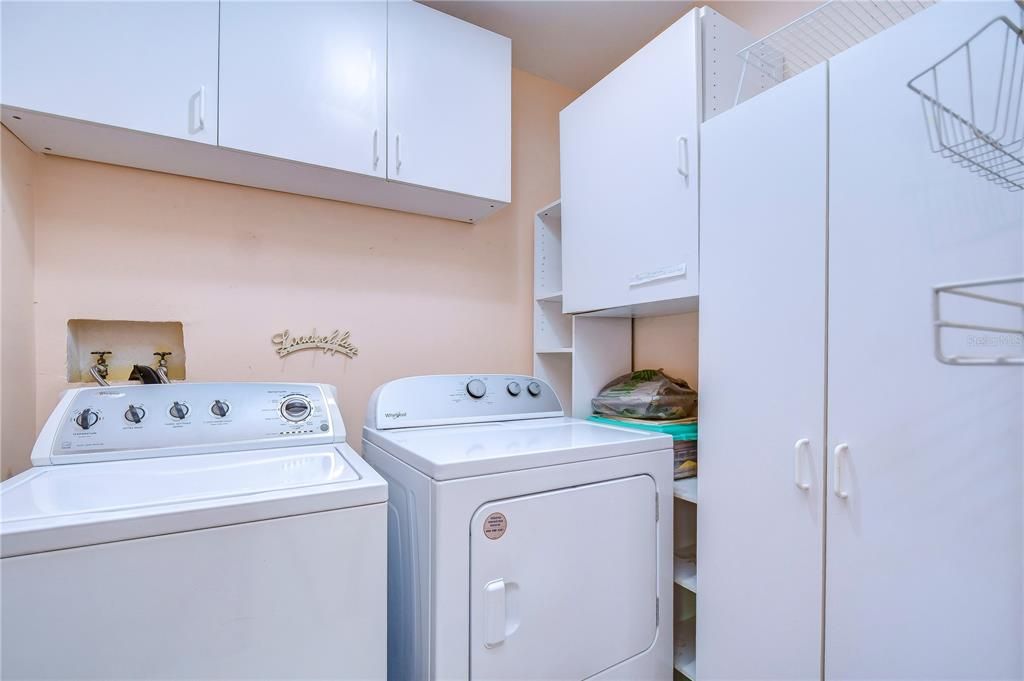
(17,252)
(237,265)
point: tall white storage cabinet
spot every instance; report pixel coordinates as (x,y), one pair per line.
(762,380)
(449,103)
(866,497)
(149,66)
(630,166)
(306,81)
(926,459)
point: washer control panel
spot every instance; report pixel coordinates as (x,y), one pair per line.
(441,400)
(132,421)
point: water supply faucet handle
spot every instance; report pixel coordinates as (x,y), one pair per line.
(162,362)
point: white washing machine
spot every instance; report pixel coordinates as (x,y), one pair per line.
(522,544)
(198,531)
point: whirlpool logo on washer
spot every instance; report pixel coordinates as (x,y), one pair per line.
(394,414)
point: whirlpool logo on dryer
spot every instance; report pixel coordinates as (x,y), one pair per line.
(394,414)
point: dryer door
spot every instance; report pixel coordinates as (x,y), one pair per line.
(563,583)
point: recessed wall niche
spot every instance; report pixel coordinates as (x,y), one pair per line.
(129,343)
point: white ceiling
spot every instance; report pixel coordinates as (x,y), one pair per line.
(578,42)
(572,42)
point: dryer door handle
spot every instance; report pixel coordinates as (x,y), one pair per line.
(494,613)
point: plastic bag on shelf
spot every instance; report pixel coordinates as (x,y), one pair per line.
(647,394)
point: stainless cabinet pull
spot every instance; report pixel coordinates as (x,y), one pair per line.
(202,107)
(376,156)
(398,154)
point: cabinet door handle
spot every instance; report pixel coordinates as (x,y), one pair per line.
(798,477)
(398,154)
(837,479)
(376,155)
(683,157)
(202,107)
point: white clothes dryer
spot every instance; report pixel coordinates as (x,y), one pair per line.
(522,544)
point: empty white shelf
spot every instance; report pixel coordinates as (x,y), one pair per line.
(555,297)
(554,351)
(684,573)
(685,653)
(686,489)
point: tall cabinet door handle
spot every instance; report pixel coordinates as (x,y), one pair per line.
(683,157)
(494,613)
(202,108)
(798,478)
(841,452)
(398,154)
(376,155)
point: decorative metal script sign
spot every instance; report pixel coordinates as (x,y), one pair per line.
(331,343)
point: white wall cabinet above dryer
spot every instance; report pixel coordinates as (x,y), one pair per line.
(449,103)
(146,66)
(306,81)
(629,166)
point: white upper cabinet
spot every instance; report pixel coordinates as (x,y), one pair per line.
(146,66)
(306,81)
(630,168)
(449,103)
(629,189)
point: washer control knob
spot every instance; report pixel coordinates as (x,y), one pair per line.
(533,387)
(296,408)
(134,414)
(476,388)
(514,389)
(220,408)
(87,418)
(178,410)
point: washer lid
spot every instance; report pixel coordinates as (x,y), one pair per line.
(450,452)
(56,507)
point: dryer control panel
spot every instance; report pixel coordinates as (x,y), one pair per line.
(449,399)
(138,421)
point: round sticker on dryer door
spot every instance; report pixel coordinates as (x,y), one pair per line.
(495,525)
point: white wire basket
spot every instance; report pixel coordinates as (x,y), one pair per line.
(972,103)
(997,340)
(823,33)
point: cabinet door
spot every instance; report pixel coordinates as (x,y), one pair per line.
(629,178)
(149,66)
(449,103)
(762,378)
(924,560)
(306,81)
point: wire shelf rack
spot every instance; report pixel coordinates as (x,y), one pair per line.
(823,33)
(972,103)
(1000,299)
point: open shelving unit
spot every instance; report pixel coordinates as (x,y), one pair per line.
(576,355)
(684,577)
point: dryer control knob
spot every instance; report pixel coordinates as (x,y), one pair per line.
(134,414)
(533,387)
(87,419)
(514,389)
(220,408)
(178,410)
(476,388)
